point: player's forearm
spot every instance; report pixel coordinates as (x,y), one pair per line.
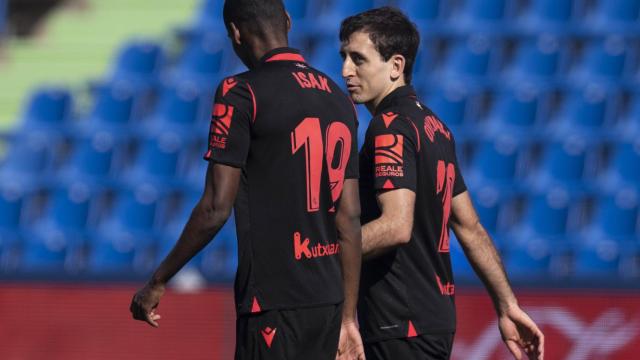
(380,236)
(204,223)
(349,235)
(485,260)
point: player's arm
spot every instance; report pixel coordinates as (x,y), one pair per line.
(207,218)
(393,227)
(515,325)
(349,236)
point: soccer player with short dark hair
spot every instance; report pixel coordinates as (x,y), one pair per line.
(412,193)
(283,152)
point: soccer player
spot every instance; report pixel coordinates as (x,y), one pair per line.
(412,192)
(282,147)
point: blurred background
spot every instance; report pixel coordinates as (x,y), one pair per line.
(104,111)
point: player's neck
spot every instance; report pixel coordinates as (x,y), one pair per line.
(372,105)
(261,47)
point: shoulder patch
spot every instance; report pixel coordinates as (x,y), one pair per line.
(228,84)
(388,118)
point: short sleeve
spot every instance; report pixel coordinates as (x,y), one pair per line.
(395,150)
(231,119)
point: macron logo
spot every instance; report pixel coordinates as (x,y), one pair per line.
(268,334)
(301,247)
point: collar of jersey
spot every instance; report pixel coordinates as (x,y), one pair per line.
(282,54)
(390,100)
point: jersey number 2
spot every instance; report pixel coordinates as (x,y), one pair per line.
(446,177)
(308,134)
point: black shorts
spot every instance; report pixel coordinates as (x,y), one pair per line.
(422,347)
(308,333)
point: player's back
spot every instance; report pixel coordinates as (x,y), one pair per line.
(300,131)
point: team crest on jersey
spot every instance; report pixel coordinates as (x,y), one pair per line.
(388,155)
(220,125)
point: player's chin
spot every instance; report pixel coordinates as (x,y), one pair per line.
(356,97)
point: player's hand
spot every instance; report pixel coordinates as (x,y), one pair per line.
(144,304)
(350,345)
(520,332)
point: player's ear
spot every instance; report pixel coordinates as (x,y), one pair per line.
(234,34)
(288,21)
(397,66)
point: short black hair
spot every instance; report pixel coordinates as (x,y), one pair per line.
(264,18)
(391,32)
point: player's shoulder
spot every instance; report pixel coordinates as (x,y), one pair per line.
(234,84)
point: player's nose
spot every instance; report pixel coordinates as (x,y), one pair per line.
(347,68)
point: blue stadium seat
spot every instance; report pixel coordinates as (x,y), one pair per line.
(12,198)
(180,109)
(549,15)
(209,16)
(604,59)
(342,9)
(563,162)
(538,57)
(31,158)
(115,106)
(620,16)
(47,107)
(623,167)
(326,58)
(515,110)
(617,214)
(297,9)
(482,15)
(422,10)
(95,158)
(497,160)
(585,110)
(597,258)
(57,239)
(202,60)
(124,240)
(158,159)
(138,61)
(548,212)
(471,57)
(452,102)
(530,259)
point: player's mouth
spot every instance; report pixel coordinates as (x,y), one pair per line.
(352,88)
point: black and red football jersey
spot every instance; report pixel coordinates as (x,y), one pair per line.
(409,290)
(292,131)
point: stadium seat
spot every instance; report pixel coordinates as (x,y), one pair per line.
(297,9)
(57,239)
(49,108)
(471,57)
(326,58)
(529,260)
(548,15)
(538,57)
(597,258)
(209,17)
(138,62)
(124,240)
(563,162)
(422,10)
(481,15)
(489,201)
(202,60)
(515,110)
(95,158)
(623,166)
(616,214)
(31,157)
(159,159)
(604,59)
(180,109)
(585,110)
(548,212)
(497,160)
(115,105)
(619,16)
(452,102)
